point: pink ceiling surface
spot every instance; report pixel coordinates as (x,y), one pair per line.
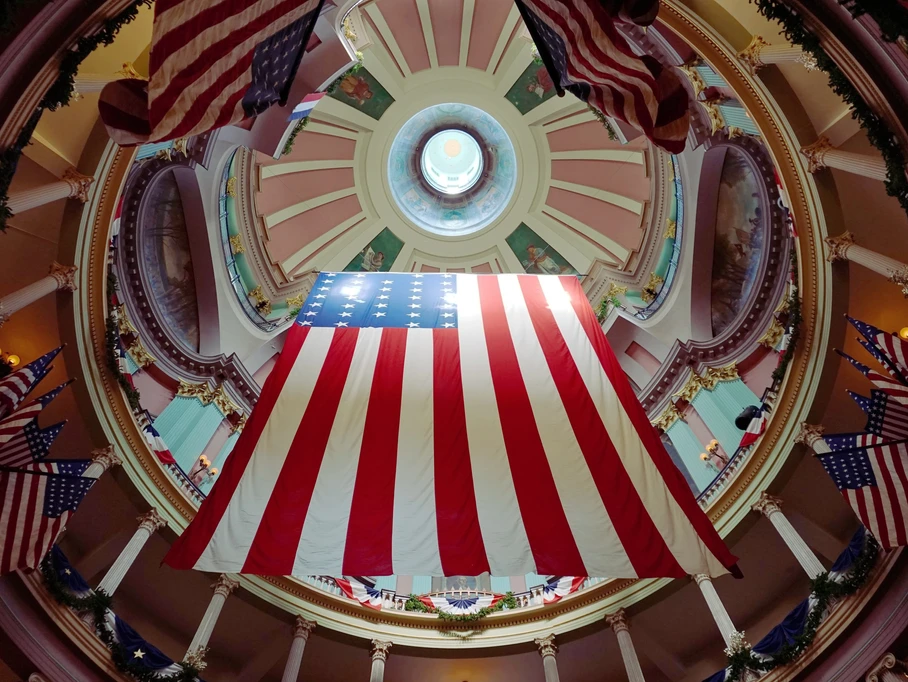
(447,14)
(403,20)
(311,146)
(626,179)
(290,236)
(616,223)
(488,23)
(483,269)
(589,135)
(286,190)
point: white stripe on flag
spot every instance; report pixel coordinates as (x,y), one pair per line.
(231,541)
(886,494)
(415,532)
(324,536)
(593,530)
(671,522)
(500,522)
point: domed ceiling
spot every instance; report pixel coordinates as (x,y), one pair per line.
(553,193)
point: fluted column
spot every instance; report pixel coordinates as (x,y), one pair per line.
(95,82)
(149,522)
(548,649)
(73,185)
(821,154)
(59,278)
(844,247)
(760,53)
(811,435)
(618,623)
(716,607)
(887,669)
(301,631)
(102,459)
(223,587)
(771,508)
(380,652)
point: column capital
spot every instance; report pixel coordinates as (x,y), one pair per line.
(808,434)
(900,278)
(225,585)
(767,504)
(380,650)
(302,628)
(547,646)
(78,184)
(151,520)
(838,246)
(618,620)
(878,671)
(65,276)
(750,55)
(106,457)
(196,658)
(700,578)
(816,152)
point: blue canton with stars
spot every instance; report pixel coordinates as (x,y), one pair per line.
(64,493)
(381,299)
(849,470)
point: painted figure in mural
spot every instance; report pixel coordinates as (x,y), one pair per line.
(372,260)
(541,83)
(356,88)
(542,263)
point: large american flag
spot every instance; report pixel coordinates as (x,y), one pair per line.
(449,424)
(874,479)
(586,54)
(213,63)
(886,417)
(31,444)
(36,504)
(16,386)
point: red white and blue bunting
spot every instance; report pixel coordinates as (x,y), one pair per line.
(462,606)
(357,591)
(562,587)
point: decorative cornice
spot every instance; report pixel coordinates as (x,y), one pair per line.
(546,645)
(65,275)
(225,585)
(302,628)
(380,650)
(767,505)
(151,520)
(618,621)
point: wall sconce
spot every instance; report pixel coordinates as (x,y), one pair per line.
(903,333)
(9,363)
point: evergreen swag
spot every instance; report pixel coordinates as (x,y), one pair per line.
(612,135)
(297,129)
(794,320)
(877,131)
(60,93)
(891,17)
(825,591)
(98,603)
(112,340)
(509,601)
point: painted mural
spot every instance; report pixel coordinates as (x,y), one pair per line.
(361,90)
(536,255)
(379,254)
(168,263)
(740,234)
(532,88)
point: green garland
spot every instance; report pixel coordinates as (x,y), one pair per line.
(612,135)
(605,307)
(509,601)
(874,126)
(825,591)
(890,16)
(98,603)
(112,341)
(297,129)
(59,94)
(794,321)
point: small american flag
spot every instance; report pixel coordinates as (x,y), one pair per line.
(838,442)
(449,424)
(37,502)
(586,54)
(212,64)
(29,445)
(12,426)
(19,384)
(892,349)
(874,480)
(893,387)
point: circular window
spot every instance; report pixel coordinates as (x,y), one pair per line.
(451,161)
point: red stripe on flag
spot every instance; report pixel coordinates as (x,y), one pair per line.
(370,529)
(645,547)
(13,521)
(32,508)
(858,501)
(546,524)
(675,482)
(273,550)
(460,545)
(185,552)
(880,511)
(898,522)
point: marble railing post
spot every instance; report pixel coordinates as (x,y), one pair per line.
(73,185)
(222,589)
(148,524)
(102,459)
(301,631)
(887,669)
(771,508)
(716,607)
(548,649)
(843,247)
(618,623)
(821,154)
(59,278)
(379,652)
(760,53)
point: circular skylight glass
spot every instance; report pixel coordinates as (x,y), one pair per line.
(451,161)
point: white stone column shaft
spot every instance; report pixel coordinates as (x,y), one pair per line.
(380,652)
(548,649)
(716,607)
(73,185)
(771,508)
(619,623)
(843,247)
(301,631)
(222,589)
(821,154)
(781,54)
(148,524)
(60,278)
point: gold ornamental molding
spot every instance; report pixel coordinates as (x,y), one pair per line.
(669,416)
(207,395)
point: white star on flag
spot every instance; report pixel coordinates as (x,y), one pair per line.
(387,281)
(346,314)
(383,296)
(324,288)
(447,314)
(416,291)
(414,305)
(340,324)
(414,298)
(379,314)
(315,304)
(412,314)
(320,296)
(381,305)
(385,289)
(448,324)
(413,324)
(348,305)
(306,323)
(311,312)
